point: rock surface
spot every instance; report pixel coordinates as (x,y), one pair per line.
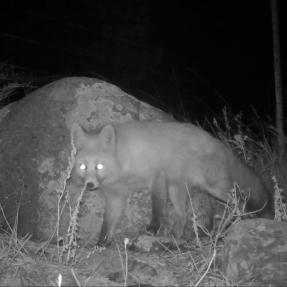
(36,152)
(256,249)
(36,158)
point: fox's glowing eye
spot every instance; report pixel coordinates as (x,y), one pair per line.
(82,166)
(100,166)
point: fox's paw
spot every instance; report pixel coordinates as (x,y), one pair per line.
(99,248)
(153,228)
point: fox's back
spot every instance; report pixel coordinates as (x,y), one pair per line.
(171,131)
(175,147)
(166,137)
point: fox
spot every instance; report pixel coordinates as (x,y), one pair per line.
(168,159)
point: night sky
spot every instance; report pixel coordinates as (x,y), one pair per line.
(190,58)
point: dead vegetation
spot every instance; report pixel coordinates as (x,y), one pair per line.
(26,263)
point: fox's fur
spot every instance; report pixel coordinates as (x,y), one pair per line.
(165,157)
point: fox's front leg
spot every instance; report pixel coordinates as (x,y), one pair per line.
(158,201)
(115,204)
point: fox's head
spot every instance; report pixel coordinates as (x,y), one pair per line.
(95,161)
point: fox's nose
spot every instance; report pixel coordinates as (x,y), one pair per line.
(91,186)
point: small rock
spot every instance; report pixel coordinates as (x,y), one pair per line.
(256,249)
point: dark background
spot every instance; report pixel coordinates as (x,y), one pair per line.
(190,58)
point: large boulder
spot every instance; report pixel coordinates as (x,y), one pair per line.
(37,155)
(256,249)
(36,151)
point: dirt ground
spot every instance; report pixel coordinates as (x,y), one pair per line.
(151,261)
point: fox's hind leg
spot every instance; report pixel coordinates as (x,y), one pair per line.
(201,212)
(177,194)
(159,200)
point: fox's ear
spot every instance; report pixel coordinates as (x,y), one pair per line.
(78,135)
(108,137)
